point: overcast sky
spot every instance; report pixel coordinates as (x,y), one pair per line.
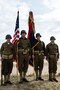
(46,15)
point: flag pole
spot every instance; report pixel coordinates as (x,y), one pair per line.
(17,61)
(17,47)
(16,38)
(1,74)
(33,60)
(31,32)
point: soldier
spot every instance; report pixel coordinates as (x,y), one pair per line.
(52,55)
(39,53)
(23,56)
(7,53)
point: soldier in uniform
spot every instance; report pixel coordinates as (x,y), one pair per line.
(7,53)
(23,56)
(39,53)
(52,55)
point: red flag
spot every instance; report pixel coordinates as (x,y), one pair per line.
(31,37)
(31,26)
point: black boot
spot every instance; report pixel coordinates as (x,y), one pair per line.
(36,75)
(37,78)
(41,79)
(5,84)
(40,72)
(54,75)
(55,79)
(21,78)
(50,77)
(21,81)
(5,80)
(8,80)
(25,80)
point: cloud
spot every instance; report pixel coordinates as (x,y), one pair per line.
(46,15)
(52,3)
(8,14)
(49,21)
(53,11)
(52,16)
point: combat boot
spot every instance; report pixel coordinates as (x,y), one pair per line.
(24,79)
(8,79)
(54,78)
(36,75)
(50,77)
(21,78)
(40,76)
(5,80)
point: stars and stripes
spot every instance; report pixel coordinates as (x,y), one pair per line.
(16,35)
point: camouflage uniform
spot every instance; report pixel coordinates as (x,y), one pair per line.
(7,53)
(23,55)
(52,53)
(39,53)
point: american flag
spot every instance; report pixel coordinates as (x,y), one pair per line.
(16,34)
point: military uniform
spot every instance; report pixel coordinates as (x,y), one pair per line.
(52,53)
(23,56)
(39,53)
(7,53)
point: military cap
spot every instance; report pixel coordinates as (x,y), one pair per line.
(8,36)
(23,31)
(38,34)
(52,38)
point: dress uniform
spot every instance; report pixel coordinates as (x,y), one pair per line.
(23,56)
(7,53)
(39,53)
(52,55)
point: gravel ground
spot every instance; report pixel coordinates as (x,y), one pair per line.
(33,85)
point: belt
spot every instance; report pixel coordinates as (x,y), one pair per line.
(21,50)
(39,52)
(24,51)
(52,54)
(7,56)
(36,51)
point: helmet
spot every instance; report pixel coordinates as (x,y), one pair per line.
(52,38)
(38,34)
(8,36)
(23,31)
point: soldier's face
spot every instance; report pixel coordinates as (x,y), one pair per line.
(38,38)
(8,40)
(52,41)
(23,35)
